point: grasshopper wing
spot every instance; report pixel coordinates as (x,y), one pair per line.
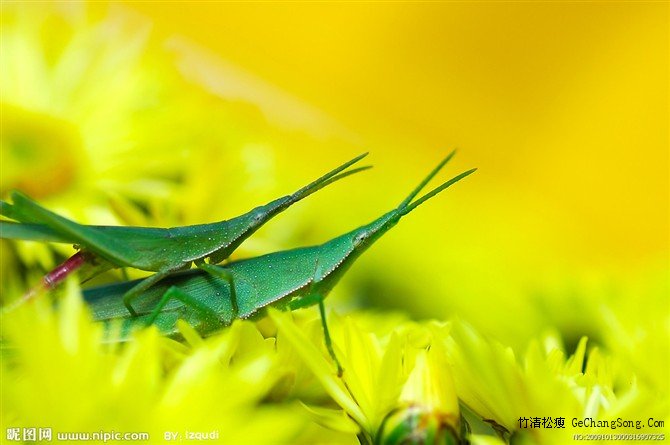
(89,237)
(32,232)
(10,211)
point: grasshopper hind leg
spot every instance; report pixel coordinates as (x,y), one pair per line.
(145,284)
(176,293)
(223,274)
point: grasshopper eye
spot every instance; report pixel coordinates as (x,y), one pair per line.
(360,238)
(258,217)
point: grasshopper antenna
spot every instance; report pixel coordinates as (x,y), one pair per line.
(435,191)
(426,180)
(328,178)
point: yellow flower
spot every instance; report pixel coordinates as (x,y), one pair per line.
(83,120)
(507,394)
(636,327)
(487,378)
(100,125)
(395,386)
(373,369)
(428,411)
(58,374)
(81,102)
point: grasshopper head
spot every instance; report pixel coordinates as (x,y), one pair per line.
(363,237)
(262,214)
(338,254)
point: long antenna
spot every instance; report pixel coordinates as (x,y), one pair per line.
(435,191)
(426,180)
(328,178)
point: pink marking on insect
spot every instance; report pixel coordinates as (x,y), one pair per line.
(53,278)
(64,269)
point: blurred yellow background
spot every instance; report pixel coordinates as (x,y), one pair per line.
(563,107)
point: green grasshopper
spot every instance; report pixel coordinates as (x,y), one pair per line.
(160,250)
(243,289)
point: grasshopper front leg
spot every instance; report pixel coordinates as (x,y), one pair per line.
(326,335)
(309,300)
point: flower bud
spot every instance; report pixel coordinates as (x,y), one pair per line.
(428,411)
